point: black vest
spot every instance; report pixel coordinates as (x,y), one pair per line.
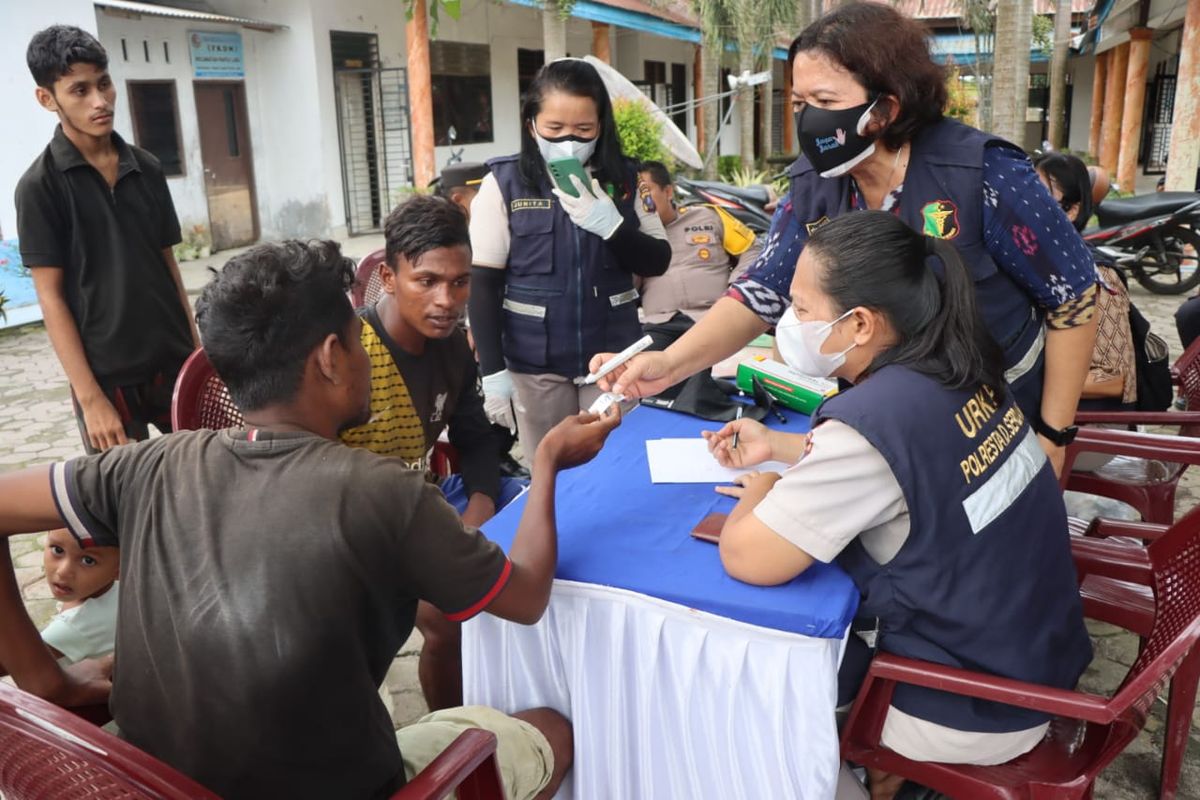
(943,197)
(985,580)
(565,296)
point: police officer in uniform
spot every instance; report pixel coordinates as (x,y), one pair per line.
(708,248)
(552,282)
(868,102)
(924,481)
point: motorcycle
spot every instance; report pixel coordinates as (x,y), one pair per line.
(1152,237)
(746,203)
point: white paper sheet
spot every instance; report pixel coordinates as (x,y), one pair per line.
(688,461)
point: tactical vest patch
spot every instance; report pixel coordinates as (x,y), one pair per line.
(941,219)
(811,227)
(530,203)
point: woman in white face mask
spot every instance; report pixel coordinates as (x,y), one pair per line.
(923,481)
(552,282)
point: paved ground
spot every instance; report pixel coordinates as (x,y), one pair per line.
(37,426)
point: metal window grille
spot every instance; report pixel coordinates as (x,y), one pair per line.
(376,143)
(1162,107)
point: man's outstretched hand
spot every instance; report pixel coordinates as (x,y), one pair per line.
(576,440)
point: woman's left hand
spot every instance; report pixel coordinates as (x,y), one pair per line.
(752,483)
(593,210)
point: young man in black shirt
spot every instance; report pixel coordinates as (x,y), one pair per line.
(96,225)
(424,380)
(270,574)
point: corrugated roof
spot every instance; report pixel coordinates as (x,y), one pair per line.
(155,10)
(679,13)
(950,9)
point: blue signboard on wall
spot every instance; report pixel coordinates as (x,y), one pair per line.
(216,55)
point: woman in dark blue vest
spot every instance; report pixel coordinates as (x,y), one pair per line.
(923,481)
(869,103)
(552,282)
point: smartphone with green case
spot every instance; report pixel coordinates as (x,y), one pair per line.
(562,168)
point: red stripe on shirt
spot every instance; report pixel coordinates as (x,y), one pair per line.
(500,583)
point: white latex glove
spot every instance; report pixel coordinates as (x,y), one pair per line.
(595,212)
(498,399)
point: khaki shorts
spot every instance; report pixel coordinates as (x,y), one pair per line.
(522,752)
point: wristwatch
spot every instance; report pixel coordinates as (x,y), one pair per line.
(1061,438)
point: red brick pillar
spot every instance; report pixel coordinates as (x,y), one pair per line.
(1099,78)
(420,95)
(1114,104)
(1184,158)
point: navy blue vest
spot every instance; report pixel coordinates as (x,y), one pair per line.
(985,579)
(565,296)
(943,197)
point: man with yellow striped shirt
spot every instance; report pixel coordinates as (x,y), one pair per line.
(424,380)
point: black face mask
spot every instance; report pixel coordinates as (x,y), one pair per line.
(832,139)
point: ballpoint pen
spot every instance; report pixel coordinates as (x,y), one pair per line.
(736,432)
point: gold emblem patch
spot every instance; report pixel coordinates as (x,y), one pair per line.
(811,227)
(701,238)
(704,253)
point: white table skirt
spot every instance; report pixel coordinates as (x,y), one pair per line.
(667,702)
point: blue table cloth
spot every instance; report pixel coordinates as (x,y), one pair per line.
(615,528)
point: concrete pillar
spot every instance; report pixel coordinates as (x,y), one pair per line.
(1135,101)
(600,42)
(1099,78)
(420,94)
(554,32)
(1114,104)
(1184,158)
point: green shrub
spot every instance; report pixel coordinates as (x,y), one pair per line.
(641,133)
(726,166)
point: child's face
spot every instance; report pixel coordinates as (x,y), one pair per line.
(75,574)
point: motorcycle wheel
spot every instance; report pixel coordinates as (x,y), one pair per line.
(1173,267)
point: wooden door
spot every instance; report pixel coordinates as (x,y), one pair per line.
(228,168)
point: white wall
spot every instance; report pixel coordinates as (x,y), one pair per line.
(292,184)
(28,126)
(1083,70)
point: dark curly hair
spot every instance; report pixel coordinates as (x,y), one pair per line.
(261,316)
(423,223)
(53,51)
(888,53)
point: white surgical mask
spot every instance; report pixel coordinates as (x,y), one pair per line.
(564,147)
(800,344)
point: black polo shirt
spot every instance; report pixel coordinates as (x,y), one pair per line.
(109,245)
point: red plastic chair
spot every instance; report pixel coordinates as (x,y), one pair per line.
(367,284)
(201,399)
(1115,566)
(1148,484)
(47,753)
(469,764)
(1087,732)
